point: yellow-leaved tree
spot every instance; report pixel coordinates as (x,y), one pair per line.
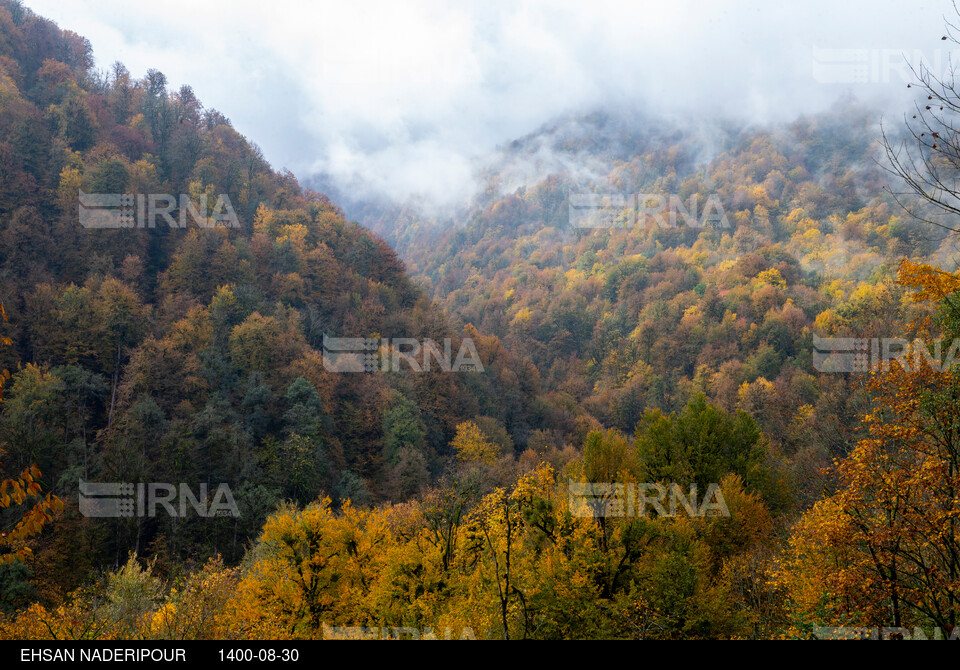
(884,551)
(472,445)
(21,490)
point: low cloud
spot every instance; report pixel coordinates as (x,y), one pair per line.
(402,99)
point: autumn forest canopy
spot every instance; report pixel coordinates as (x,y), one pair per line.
(675,367)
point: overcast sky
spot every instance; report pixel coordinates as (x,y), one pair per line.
(404,93)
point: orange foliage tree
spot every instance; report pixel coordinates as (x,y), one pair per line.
(17,491)
(884,551)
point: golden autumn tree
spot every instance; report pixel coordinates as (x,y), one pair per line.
(472,445)
(18,491)
(884,551)
(500,558)
(493,536)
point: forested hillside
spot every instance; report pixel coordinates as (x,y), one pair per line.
(644,316)
(172,354)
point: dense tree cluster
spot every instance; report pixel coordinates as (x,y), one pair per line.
(647,314)
(194,355)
